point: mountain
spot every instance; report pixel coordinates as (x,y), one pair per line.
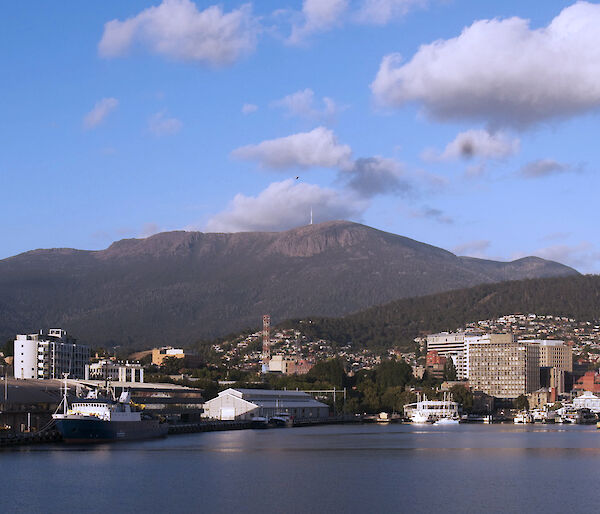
(398,323)
(178,287)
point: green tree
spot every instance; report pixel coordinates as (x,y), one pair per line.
(331,371)
(449,370)
(393,373)
(171,365)
(462,395)
(521,403)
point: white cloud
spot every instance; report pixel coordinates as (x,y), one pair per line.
(476,248)
(161,125)
(177,29)
(375,175)
(284,205)
(380,12)
(302,104)
(502,71)
(100,111)
(318,16)
(317,148)
(478,143)
(544,167)
(249,108)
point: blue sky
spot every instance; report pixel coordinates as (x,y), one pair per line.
(468,125)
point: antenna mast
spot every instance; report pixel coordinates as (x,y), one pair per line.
(311,216)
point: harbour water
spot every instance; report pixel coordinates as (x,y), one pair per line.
(348,468)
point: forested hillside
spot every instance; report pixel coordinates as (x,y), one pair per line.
(399,322)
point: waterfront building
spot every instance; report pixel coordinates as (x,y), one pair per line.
(49,355)
(587,400)
(540,398)
(106,369)
(502,367)
(247,404)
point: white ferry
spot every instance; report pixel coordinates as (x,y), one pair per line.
(431,411)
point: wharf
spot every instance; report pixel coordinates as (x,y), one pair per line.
(47,436)
(216,425)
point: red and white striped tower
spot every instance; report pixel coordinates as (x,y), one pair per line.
(266,349)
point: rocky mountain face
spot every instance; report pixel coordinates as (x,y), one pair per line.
(179,287)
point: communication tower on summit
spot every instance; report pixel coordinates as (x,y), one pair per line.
(266,349)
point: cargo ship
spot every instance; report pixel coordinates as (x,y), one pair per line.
(99,420)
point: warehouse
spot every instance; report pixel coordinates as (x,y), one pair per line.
(246,404)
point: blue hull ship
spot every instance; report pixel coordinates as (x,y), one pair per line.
(96,420)
(80,430)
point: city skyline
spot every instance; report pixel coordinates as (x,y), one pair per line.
(462,124)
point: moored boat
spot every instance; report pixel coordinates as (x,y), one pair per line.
(95,420)
(426,411)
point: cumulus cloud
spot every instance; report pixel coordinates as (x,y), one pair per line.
(380,12)
(302,104)
(99,113)
(249,108)
(160,124)
(477,248)
(544,167)
(477,143)
(372,176)
(283,205)
(178,30)
(317,16)
(433,214)
(502,71)
(317,148)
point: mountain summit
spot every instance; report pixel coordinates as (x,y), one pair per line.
(178,287)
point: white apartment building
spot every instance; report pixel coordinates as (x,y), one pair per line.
(47,356)
(115,371)
(450,345)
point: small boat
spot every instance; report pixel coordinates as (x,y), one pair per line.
(523,417)
(383,417)
(280,419)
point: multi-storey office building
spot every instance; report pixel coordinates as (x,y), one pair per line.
(556,359)
(502,367)
(49,355)
(554,354)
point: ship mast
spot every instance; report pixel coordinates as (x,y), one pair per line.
(65,406)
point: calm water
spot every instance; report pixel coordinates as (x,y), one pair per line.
(352,468)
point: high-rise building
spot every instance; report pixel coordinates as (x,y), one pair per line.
(500,366)
(49,355)
(451,345)
(554,354)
